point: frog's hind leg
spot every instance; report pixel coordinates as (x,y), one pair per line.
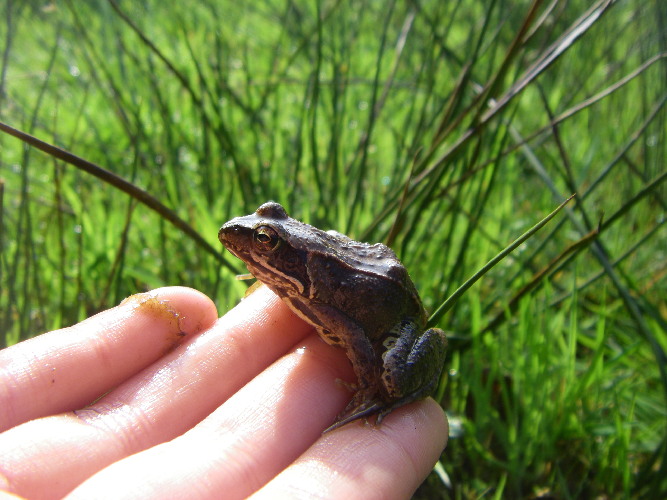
(412,366)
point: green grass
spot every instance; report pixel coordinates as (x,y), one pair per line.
(444,128)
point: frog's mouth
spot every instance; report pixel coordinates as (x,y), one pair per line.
(231,233)
(237,240)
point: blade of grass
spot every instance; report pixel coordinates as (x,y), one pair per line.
(451,300)
(112,179)
(568,253)
(243,173)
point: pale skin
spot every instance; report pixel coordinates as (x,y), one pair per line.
(159,398)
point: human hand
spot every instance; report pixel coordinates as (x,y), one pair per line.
(185,405)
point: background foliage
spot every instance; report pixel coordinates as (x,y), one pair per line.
(443,128)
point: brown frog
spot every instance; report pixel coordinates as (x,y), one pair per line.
(357,296)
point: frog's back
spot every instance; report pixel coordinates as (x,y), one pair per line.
(368,282)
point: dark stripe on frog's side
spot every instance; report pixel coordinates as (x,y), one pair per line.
(299,286)
(264,271)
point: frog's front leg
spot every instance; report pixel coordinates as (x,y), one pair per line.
(412,365)
(338,329)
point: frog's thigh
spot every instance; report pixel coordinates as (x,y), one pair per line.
(413,366)
(429,348)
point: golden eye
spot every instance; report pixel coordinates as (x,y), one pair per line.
(266,239)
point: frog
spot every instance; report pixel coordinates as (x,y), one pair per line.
(357,296)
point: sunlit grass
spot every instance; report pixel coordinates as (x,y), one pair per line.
(446,129)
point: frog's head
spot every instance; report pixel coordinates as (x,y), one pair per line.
(265,241)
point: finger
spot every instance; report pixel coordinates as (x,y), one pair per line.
(267,425)
(155,405)
(69,368)
(245,442)
(387,462)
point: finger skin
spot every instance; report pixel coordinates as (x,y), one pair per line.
(275,422)
(152,406)
(68,368)
(272,421)
(385,462)
(243,444)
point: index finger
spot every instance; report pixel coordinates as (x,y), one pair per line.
(66,369)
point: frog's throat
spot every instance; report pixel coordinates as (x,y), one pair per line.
(267,275)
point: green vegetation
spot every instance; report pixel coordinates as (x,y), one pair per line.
(444,128)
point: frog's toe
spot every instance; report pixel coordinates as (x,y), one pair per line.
(349,415)
(410,398)
(363,398)
(350,386)
(381,414)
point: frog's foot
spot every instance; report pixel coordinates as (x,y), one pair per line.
(386,409)
(365,402)
(363,410)
(368,408)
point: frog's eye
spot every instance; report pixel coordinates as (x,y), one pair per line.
(266,239)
